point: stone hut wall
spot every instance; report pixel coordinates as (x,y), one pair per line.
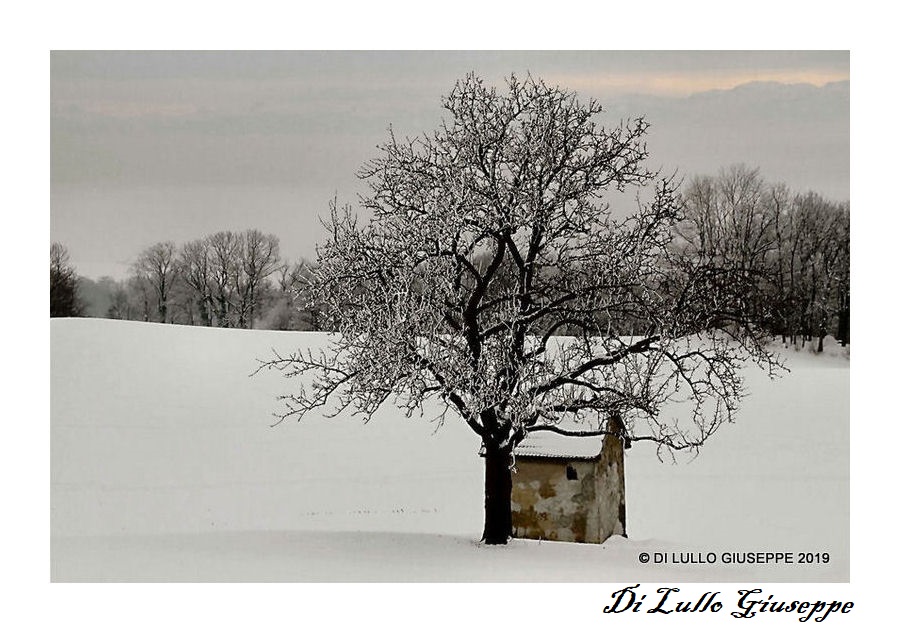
(548,504)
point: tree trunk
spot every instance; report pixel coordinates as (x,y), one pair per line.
(844,320)
(497,493)
(203,308)
(222,312)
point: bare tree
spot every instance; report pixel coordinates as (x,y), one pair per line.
(812,268)
(195,270)
(515,183)
(800,244)
(820,258)
(224,261)
(121,305)
(141,292)
(155,269)
(258,259)
(731,218)
(293,307)
(64,298)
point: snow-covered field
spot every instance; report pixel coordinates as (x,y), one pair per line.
(164,466)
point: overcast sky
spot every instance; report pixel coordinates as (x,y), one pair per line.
(173,146)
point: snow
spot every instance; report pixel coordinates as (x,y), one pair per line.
(548,444)
(165,466)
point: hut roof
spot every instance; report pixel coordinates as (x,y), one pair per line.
(549,444)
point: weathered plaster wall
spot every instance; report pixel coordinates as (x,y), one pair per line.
(547,505)
(610,483)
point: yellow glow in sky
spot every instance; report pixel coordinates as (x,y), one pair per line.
(681,84)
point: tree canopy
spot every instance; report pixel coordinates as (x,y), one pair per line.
(493,277)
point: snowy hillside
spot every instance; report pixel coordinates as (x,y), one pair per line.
(164,466)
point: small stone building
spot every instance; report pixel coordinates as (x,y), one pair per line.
(568,488)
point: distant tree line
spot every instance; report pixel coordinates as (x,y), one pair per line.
(227,279)
(795,247)
(797,244)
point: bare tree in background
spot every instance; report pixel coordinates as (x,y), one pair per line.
(121,305)
(155,270)
(224,257)
(487,238)
(814,267)
(64,299)
(258,258)
(195,270)
(800,244)
(294,307)
(731,218)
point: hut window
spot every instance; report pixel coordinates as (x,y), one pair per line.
(571,473)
